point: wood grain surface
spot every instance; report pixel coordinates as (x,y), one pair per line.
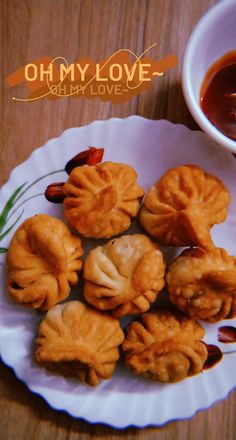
(76,29)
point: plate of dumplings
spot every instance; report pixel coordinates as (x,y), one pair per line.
(118,272)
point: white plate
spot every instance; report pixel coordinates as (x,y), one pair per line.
(151,147)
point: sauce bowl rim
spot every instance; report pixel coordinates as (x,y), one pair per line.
(194,106)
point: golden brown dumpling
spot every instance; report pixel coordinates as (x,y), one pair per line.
(165,346)
(102,199)
(183,205)
(43,260)
(76,340)
(125,275)
(203,284)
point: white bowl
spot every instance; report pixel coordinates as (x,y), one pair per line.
(213,36)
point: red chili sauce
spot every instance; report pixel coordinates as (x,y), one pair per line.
(218,94)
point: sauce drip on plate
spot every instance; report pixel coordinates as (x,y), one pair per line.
(218,94)
(214,355)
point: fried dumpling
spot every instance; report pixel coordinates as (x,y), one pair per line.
(102,199)
(124,275)
(43,260)
(76,340)
(183,205)
(203,284)
(165,346)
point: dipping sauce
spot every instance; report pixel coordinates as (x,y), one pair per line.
(218,94)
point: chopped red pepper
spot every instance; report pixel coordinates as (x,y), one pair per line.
(92,156)
(54,192)
(227,334)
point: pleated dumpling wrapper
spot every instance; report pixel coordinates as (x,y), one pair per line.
(165,346)
(43,260)
(203,284)
(101,200)
(125,275)
(79,341)
(181,208)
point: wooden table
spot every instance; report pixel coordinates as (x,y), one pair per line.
(77,29)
